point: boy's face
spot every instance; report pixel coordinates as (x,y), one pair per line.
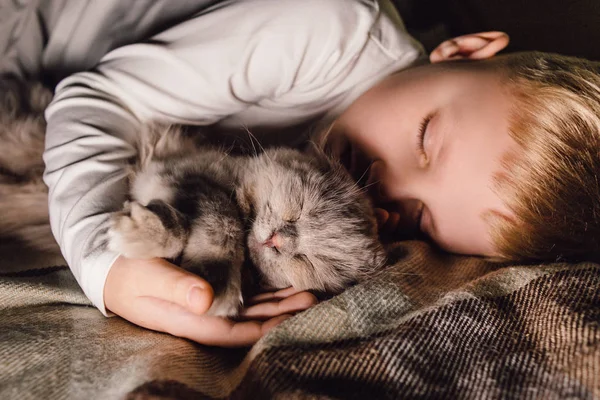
(446,188)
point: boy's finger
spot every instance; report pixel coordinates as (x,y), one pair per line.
(382,216)
(268,296)
(390,225)
(215,331)
(393,222)
(289,305)
(208,330)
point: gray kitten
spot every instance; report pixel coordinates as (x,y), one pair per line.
(308,224)
(300,219)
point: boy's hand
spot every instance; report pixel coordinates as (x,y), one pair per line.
(387,221)
(158,295)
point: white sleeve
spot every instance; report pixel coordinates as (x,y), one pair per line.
(216,64)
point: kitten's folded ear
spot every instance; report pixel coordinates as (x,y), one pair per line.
(323,158)
(245,199)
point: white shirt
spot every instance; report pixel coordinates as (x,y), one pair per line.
(253,63)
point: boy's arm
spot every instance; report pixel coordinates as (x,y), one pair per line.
(186,76)
(59,37)
(200,71)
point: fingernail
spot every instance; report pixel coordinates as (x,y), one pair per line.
(195,296)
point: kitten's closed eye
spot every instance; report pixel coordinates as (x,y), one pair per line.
(294,207)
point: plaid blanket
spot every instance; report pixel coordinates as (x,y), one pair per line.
(431,325)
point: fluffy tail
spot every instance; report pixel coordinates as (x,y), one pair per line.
(24,220)
(22,127)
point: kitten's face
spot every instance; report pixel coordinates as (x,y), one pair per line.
(311,227)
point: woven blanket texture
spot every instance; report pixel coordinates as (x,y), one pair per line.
(430,325)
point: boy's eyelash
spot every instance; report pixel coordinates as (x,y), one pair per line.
(422,130)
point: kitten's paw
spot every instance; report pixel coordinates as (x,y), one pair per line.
(227,304)
(137,232)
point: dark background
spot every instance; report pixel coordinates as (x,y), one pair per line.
(569,27)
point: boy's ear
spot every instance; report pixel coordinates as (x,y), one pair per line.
(475,46)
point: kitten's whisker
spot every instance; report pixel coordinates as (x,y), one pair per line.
(252,136)
(356,188)
(226,153)
(370,184)
(230,148)
(322,136)
(364,173)
(318,148)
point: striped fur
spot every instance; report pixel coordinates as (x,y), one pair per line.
(299,219)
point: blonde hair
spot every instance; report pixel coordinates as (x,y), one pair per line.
(552,183)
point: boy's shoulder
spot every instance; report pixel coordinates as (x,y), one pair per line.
(350,45)
(335,35)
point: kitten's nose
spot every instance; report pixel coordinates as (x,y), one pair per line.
(273,241)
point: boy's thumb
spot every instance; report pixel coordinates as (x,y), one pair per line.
(162,280)
(188,290)
(199,298)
